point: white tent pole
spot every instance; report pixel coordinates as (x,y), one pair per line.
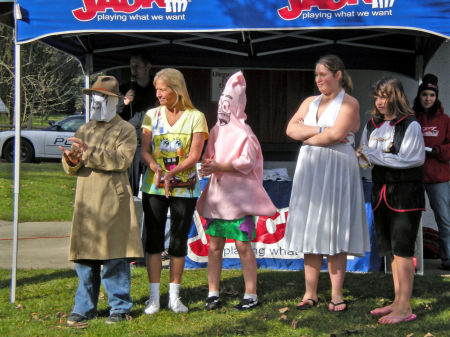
(17,156)
(87,75)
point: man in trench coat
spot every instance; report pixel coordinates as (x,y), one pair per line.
(105,231)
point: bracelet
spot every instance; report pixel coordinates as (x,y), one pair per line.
(320,129)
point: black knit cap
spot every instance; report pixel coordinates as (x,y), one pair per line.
(429,82)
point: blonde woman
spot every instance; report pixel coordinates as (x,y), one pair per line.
(173,136)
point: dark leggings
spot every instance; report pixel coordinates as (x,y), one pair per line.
(155,216)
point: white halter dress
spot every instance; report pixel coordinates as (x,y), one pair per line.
(326,211)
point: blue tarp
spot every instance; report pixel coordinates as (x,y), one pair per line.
(44,18)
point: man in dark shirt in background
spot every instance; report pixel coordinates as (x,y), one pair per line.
(139,97)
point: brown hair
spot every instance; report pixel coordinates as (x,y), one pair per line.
(392,89)
(430,82)
(334,64)
(175,80)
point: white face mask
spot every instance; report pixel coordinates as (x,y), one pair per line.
(103,107)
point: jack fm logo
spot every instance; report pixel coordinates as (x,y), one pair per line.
(296,7)
(93,7)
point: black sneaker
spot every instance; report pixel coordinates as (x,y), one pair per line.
(246,304)
(165,255)
(77,320)
(117,317)
(213,302)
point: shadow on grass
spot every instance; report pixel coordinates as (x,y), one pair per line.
(39,278)
(279,289)
(276,290)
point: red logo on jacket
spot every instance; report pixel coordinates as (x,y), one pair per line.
(430,131)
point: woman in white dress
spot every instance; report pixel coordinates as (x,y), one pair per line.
(326,212)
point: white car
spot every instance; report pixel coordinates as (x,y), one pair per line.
(42,143)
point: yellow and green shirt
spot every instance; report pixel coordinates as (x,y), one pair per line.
(170,146)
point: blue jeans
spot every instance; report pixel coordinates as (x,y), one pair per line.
(116,279)
(439,197)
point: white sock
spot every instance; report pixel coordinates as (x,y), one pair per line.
(174,290)
(213,293)
(252,296)
(154,291)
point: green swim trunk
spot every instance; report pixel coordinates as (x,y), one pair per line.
(229,229)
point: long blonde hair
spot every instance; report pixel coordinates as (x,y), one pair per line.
(392,89)
(174,79)
(334,64)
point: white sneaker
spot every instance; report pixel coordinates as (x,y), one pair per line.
(176,305)
(152,306)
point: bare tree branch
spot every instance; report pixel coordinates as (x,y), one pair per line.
(50,79)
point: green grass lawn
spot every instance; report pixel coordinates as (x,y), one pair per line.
(46,192)
(37,121)
(44,299)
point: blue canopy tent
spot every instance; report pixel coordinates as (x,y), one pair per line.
(399,36)
(368,34)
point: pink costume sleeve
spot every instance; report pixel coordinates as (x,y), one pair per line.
(209,150)
(245,163)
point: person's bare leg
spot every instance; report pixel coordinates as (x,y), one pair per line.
(249,266)
(216,245)
(176,269)
(313,263)
(154,266)
(337,266)
(404,269)
(382,311)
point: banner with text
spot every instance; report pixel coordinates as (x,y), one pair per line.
(268,246)
(46,17)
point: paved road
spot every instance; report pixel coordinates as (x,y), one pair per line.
(40,245)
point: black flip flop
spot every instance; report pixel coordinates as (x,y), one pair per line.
(306,304)
(336,304)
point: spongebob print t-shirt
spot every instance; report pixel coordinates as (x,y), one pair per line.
(170,146)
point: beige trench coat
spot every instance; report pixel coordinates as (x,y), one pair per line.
(104,222)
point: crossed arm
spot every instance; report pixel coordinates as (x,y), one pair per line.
(347,121)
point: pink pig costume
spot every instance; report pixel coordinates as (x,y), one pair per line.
(234,195)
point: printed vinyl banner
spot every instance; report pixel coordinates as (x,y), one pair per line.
(269,246)
(44,17)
